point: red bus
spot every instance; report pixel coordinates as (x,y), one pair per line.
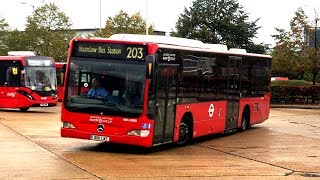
(27,81)
(163,90)
(60,70)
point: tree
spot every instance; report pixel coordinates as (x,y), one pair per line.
(4,28)
(218,22)
(49,32)
(123,23)
(291,55)
(17,40)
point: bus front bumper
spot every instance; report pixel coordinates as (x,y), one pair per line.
(118,139)
(34,103)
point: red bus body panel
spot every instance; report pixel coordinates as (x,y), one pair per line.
(203,124)
(11,98)
(259,107)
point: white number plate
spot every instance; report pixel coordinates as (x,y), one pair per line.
(99,138)
(44,105)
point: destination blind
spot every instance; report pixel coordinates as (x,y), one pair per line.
(39,61)
(109,51)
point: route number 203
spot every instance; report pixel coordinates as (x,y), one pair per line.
(134,53)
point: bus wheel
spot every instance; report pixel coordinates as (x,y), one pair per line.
(184,133)
(24,109)
(245,121)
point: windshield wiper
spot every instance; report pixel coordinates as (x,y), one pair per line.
(76,108)
(114,105)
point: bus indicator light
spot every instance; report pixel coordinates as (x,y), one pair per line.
(150,68)
(141,133)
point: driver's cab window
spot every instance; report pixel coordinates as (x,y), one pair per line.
(12,76)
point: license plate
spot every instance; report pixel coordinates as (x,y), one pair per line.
(99,138)
(44,105)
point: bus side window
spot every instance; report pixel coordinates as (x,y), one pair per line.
(12,76)
(58,75)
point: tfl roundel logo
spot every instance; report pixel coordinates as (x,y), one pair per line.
(211,110)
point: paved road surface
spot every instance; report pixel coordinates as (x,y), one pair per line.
(285,145)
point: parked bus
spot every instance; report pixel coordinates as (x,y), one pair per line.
(60,71)
(163,90)
(27,81)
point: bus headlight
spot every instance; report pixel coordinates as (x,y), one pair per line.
(67,125)
(25,94)
(141,133)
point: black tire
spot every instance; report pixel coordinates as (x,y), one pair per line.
(24,109)
(184,133)
(244,121)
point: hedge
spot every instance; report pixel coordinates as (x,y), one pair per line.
(295,94)
(291,83)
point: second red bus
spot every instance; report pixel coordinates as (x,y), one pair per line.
(27,81)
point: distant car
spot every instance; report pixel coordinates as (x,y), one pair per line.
(279,78)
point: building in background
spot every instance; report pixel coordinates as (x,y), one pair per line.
(312,37)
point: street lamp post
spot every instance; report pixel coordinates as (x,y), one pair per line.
(147,29)
(100,17)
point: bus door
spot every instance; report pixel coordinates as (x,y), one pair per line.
(233,92)
(166,100)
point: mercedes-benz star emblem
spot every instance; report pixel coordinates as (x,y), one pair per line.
(100,128)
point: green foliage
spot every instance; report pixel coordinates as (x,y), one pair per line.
(291,56)
(48,32)
(4,27)
(295,94)
(17,41)
(290,83)
(219,22)
(123,23)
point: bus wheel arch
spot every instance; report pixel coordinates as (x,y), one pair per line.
(245,119)
(185,129)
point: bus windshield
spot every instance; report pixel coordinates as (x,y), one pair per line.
(41,79)
(114,88)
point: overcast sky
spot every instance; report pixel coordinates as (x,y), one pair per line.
(162,13)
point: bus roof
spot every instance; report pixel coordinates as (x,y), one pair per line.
(183,44)
(12,57)
(59,65)
(21,53)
